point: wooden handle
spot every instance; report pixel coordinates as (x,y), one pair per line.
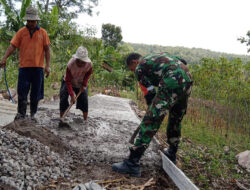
(67,110)
(132,139)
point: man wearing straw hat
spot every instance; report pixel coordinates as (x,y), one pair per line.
(33,43)
(78,71)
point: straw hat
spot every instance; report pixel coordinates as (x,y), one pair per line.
(82,54)
(31,14)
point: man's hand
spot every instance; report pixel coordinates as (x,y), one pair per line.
(73,99)
(8,52)
(3,63)
(47,71)
(83,88)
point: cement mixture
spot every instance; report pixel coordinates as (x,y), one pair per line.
(88,148)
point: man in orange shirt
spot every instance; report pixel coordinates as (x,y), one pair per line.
(33,43)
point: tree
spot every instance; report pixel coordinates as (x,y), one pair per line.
(66,8)
(111,35)
(69,8)
(13,17)
(246,40)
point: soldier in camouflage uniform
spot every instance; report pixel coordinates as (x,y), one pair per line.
(174,82)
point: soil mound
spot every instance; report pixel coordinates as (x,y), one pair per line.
(29,129)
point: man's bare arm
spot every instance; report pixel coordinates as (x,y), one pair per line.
(47,58)
(8,52)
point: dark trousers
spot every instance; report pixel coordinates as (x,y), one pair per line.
(81,103)
(30,79)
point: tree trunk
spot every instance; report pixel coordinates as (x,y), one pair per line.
(47,6)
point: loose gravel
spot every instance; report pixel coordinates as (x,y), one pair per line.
(27,160)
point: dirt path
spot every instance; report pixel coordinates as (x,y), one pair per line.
(95,144)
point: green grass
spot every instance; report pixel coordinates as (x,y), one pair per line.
(209,154)
(128,94)
(203,135)
(202,149)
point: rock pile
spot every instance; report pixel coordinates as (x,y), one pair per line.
(25,160)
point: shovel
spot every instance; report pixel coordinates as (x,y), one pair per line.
(62,123)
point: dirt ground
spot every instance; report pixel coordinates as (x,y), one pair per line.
(95,144)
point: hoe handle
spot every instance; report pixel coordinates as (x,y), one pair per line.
(67,110)
(132,139)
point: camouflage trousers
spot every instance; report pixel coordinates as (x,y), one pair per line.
(173,97)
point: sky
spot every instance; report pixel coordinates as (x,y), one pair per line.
(209,24)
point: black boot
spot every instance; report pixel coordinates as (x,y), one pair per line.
(171,152)
(21,109)
(131,165)
(33,110)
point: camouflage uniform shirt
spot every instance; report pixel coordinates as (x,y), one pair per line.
(153,68)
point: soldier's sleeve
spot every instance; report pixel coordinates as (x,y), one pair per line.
(146,87)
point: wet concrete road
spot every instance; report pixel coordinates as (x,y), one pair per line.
(104,137)
(110,124)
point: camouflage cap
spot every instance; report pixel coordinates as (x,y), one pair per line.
(31,14)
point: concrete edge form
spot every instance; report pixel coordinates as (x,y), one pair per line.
(178,177)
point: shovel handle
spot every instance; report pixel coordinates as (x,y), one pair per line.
(71,104)
(132,139)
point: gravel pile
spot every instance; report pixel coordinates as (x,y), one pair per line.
(25,160)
